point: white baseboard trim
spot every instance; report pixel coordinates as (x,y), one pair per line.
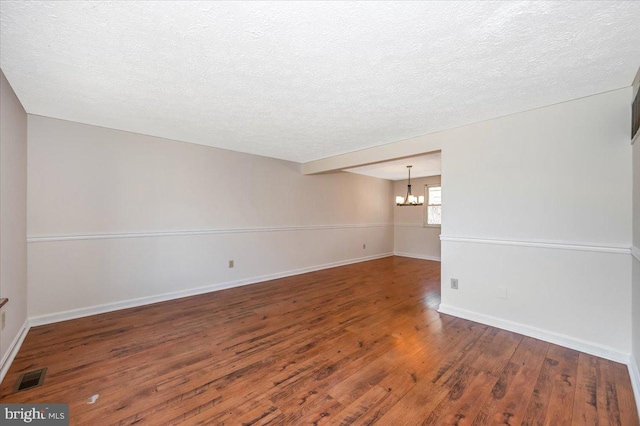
(591,348)
(132,303)
(634,374)
(417,256)
(13,350)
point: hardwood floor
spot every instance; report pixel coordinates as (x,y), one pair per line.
(359,344)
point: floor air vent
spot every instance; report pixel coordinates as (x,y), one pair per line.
(30,380)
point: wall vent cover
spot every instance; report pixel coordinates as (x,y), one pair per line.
(30,380)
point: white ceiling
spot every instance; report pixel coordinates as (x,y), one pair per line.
(422,166)
(307,80)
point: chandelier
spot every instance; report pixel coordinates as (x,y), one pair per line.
(409,200)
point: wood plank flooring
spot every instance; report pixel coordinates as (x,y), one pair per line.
(361,344)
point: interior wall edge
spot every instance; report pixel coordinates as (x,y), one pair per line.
(634,375)
(13,349)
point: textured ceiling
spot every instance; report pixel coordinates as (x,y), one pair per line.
(303,81)
(422,166)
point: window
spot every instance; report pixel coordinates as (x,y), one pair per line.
(433,206)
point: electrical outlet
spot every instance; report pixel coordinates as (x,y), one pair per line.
(454,283)
(364,247)
(2,320)
(501,293)
(231,264)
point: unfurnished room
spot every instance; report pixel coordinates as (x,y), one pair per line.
(320,212)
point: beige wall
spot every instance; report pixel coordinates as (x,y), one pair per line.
(525,214)
(101,202)
(13,216)
(524,217)
(411,237)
